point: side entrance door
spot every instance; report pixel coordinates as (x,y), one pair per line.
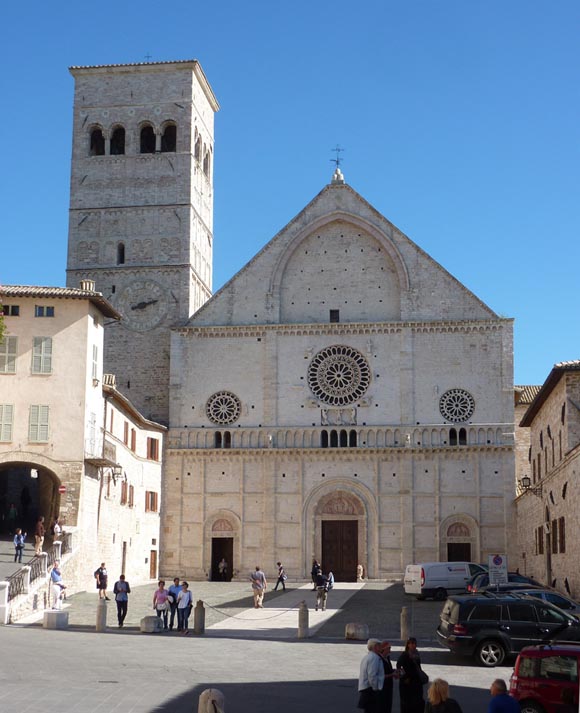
(340,549)
(221,548)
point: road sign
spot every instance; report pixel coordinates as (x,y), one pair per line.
(62,489)
(498,569)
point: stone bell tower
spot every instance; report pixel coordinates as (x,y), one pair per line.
(141,210)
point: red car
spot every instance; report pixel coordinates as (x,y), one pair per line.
(545,678)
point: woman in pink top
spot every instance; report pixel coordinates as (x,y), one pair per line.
(161,602)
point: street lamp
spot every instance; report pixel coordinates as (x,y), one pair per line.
(526,486)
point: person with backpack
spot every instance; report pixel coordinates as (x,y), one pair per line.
(19,545)
(321,590)
(121,590)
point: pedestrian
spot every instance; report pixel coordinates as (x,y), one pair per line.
(371,678)
(121,590)
(19,545)
(57,585)
(223,569)
(161,602)
(314,572)
(501,702)
(386,693)
(412,678)
(39,535)
(184,606)
(438,700)
(281,577)
(174,590)
(321,590)
(56,530)
(102,578)
(330,576)
(259,585)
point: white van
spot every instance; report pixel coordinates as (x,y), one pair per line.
(436,579)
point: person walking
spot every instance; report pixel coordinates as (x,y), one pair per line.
(438,700)
(281,577)
(314,572)
(102,577)
(321,590)
(161,602)
(57,585)
(259,586)
(501,702)
(121,590)
(39,535)
(371,678)
(174,590)
(19,545)
(184,606)
(223,569)
(386,694)
(411,679)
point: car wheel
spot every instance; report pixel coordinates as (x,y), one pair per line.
(490,653)
(531,707)
(440,594)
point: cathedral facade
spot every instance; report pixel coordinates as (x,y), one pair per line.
(342,397)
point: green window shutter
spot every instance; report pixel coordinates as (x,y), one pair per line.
(42,355)
(6,421)
(8,349)
(33,424)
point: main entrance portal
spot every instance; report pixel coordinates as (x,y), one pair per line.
(340,549)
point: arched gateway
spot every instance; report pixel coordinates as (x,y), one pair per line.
(340,529)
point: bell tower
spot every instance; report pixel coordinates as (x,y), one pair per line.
(141,210)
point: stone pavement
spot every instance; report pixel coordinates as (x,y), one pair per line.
(127,672)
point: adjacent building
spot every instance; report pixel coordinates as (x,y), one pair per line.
(72,446)
(548,504)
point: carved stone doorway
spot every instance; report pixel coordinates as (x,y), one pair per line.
(221,548)
(458,552)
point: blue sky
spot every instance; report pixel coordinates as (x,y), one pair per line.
(459,122)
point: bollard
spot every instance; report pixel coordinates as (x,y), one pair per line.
(211,701)
(101,615)
(199,618)
(302,620)
(404,623)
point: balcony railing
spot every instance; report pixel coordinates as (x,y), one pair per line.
(427,436)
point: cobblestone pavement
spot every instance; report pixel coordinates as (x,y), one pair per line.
(124,671)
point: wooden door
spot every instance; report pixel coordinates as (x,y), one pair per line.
(340,549)
(153,564)
(458,552)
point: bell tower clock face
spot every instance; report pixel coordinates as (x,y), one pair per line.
(143,304)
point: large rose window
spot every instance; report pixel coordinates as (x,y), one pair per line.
(339,375)
(457,405)
(223,408)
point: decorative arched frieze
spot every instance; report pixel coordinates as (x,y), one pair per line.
(461,529)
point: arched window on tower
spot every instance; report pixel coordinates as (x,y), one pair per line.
(462,437)
(334,439)
(120,253)
(197,150)
(217,439)
(227,439)
(324,439)
(352,439)
(343,439)
(118,141)
(147,143)
(206,163)
(169,138)
(97,142)
(452,437)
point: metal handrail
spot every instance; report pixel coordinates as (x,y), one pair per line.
(16,584)
(36,568)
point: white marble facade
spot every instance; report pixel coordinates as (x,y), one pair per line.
(342,397)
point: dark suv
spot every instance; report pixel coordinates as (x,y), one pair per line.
(490,626)
(545,678)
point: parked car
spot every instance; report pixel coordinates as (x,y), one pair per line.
(546,677)
(491,626)
(551,595)
(482,580)
(437,579)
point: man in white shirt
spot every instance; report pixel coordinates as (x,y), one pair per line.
(371,677)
